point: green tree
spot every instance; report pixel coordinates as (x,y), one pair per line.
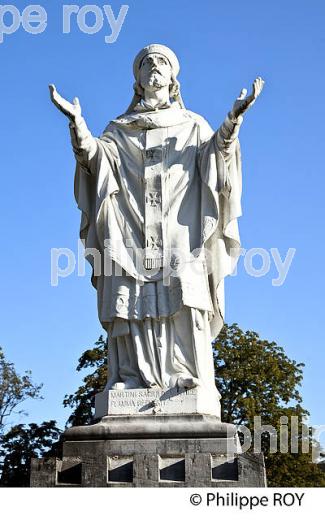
(20,444)
(83,400)
(255,378)
(14,390)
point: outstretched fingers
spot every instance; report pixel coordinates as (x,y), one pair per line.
(53,91)
(55,96)
(258,86)
(242,94)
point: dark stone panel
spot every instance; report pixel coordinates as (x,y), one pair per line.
(122,473)
(174,471)
(226,470)
(71,475)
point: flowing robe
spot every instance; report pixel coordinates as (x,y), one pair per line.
(160,195)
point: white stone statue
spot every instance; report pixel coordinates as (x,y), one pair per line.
(160,196)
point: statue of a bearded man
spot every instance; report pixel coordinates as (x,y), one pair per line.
(160,196)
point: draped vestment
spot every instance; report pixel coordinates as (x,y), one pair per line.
(159,193)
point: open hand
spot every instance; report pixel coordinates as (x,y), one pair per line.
(71,110)
(244,102)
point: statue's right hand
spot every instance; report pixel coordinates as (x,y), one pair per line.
(71,110)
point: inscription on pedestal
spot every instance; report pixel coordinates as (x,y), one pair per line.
(156,401)
(142,400)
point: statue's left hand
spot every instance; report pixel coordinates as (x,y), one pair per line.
(244,102)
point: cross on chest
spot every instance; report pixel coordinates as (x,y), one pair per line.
(154,242)
(153,198)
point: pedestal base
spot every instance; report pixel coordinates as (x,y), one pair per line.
(151,451)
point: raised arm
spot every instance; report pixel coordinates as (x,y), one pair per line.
(83,143)
(229,130)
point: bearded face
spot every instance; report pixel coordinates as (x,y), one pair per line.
(155,72)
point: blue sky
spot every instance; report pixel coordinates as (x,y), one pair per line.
(222,47)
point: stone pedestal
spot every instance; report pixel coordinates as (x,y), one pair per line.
(157,450)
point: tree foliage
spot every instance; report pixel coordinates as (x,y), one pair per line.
(14,390)
(20,444)
(257,380)
(254,376)
(82,401)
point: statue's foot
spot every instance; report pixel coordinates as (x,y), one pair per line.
(118,386)
(111,384)
(129,384)
(186,382)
